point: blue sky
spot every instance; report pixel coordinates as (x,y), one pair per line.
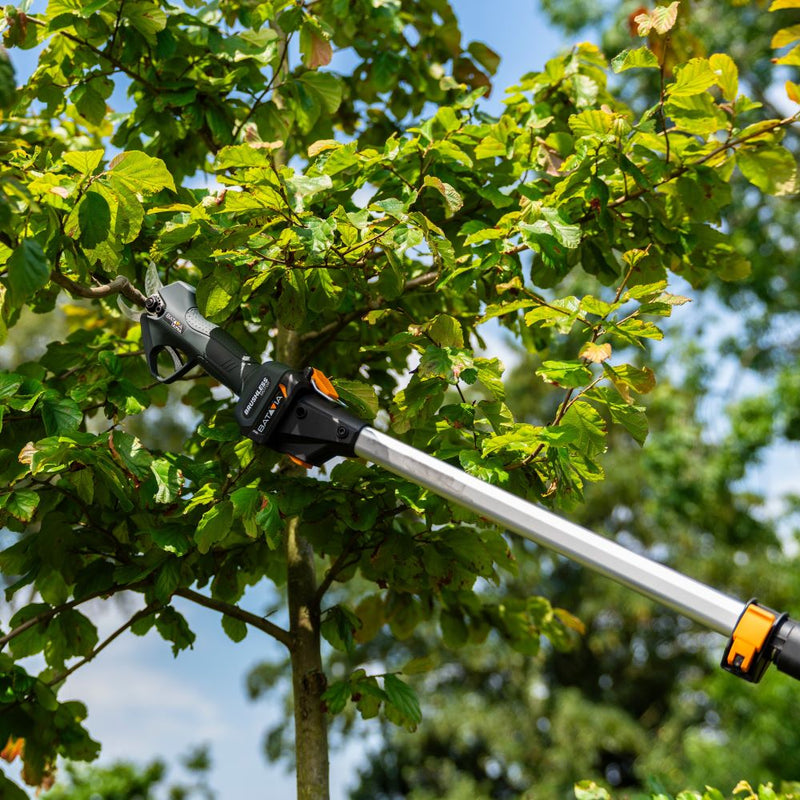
(143,703)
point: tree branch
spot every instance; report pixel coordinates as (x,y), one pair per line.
(52,612)
(275,631)
(120,285)
(336,568)
(105,643)
(727,145)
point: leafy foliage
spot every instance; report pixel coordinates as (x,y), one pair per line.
(342,224)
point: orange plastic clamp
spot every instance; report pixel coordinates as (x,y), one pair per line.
(748,638)
(322,384)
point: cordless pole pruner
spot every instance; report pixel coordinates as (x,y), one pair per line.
(298,412)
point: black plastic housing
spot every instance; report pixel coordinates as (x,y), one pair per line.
(174,324)
(283,409)
(317,429)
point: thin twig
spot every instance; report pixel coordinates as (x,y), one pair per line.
(105,643)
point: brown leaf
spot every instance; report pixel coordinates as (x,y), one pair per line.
(321,52)
(26,454)
(596,353)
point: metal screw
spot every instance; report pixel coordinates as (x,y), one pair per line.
(301,412)
(341,432)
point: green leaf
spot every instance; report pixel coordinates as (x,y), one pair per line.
(72,634)
(696,114)
(554,224)
(446,331)
(454,630)
(32,640)
(569,374)
(486,469)
(589,790)
(449,363)
(214,525)
(403,698)
(171,538)
(772,168)
(592,122)
(591,427)
(90,104)
(94,219)
(360,397)
(8,789)
(628,59)
(28,270)
(8,85)
(419,665)
(84,161)
(135,171)
(147,17)
(59,414)
(727,74)
(269,520)
(292,299)
(626,377)
(693,77)
(386,69)
(130,452)
(485,56)
(452,199)
(168,579)
(336,696)
(326,87)
(21,504)
(234,628)
(168,479)
(173,627)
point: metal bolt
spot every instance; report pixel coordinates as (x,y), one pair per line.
(301,412)
(341,432)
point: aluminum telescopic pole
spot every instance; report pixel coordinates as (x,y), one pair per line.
(757,635)
(695,600)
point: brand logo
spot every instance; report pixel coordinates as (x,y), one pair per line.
(265,422)
(257,395)
(174,322)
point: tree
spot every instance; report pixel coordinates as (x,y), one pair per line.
(344,227)
(125,781)
(663,715)
(633,703)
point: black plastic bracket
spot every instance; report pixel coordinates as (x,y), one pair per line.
(297,413)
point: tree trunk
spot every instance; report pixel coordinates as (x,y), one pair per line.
(308,679)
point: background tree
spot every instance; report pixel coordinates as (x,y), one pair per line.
(669,720)
(385,247)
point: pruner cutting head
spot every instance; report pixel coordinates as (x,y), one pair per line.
(177,337)
(152,285)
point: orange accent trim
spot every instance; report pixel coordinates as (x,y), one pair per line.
(749,636)
(300,463)
(322,384)
(283,389)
